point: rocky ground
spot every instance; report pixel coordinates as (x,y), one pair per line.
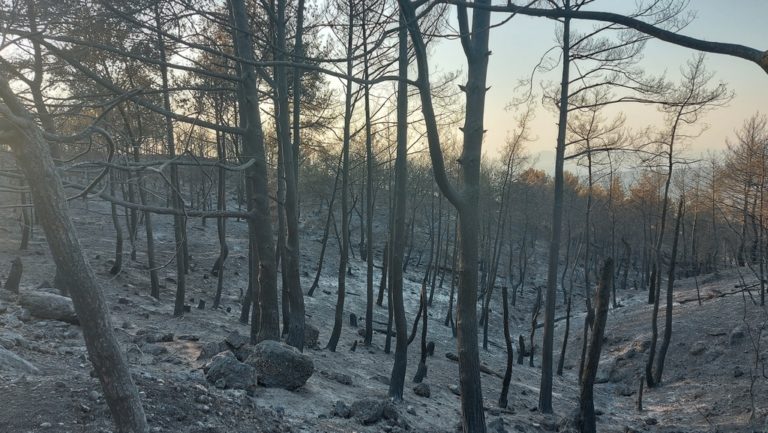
(46,383)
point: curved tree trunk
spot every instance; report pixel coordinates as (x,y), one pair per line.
(33,155)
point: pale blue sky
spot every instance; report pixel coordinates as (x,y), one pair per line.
(518,45)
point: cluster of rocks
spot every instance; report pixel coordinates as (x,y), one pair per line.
(240,365)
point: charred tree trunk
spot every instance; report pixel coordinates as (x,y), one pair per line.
(344,253)
(670,285)
(118,265)
(397,228)
(585,420)
(510,353)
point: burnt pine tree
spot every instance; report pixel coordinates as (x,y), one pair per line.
(474,41)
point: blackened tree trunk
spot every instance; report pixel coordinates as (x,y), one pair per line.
(221,222)
(510,354)
(344,253)
(670,285)
(545,390)
(291,257)
(118,265)
(397,228)
(475,46)
(260,224)
(176,199)
(585,420)
(369,205)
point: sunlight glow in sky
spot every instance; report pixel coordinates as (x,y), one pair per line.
(518,45)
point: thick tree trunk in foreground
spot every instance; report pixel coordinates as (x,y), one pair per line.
(260,224)
(475,45)
(291,253)
(34,157)
(586,421)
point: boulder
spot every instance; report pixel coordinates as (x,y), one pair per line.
(371,410)
(280,365)
(225,371)
(14,364)
(49,306)
(422,390)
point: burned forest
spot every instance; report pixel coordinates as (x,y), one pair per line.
(321,216)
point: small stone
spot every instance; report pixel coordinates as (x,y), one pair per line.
(497,426)
(454,389)
(698,348)
(422,390)
(410,410)
(651,421)
(738,372)
(154,349)
(737,335)
(123,301)
(341,410)
(84,408)
(93,396)
(202,398)
(24,315)
(45,425)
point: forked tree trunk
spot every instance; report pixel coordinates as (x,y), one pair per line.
(33,156)
(475,45)
(585,420)
(670,285)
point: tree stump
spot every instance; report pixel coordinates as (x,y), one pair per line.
(14,277)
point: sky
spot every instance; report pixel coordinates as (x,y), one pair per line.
(517,46)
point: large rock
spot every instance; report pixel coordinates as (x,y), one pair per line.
(225,371)
(371,410)
(280,365)
(49,306)
(14,364)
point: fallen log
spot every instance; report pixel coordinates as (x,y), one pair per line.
(49,306)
